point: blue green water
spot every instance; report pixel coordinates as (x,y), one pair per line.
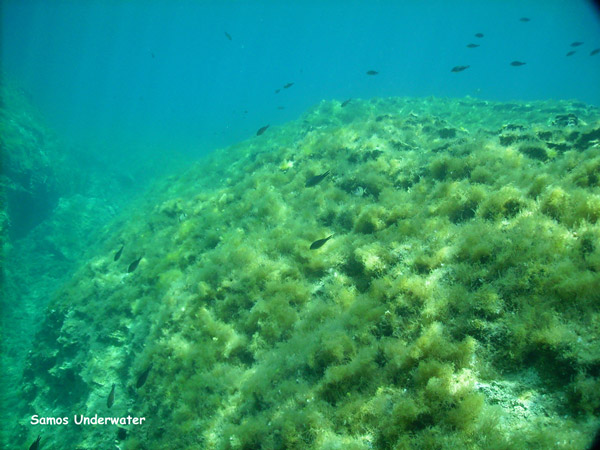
(460,142)
(118,74)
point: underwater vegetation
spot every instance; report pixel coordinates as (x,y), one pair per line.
(384,274)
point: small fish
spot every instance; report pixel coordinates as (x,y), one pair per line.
(313,181)
(121,434)
(345,102)
(571,53)
(472,45)
(320,243)
(118,254)
(261,130)
(227,35)
(36,443)
(288,85)
(134,265)
(576,44)
(280,108)
(479,35)
(372,72)
(517,63)
(525,19)
(277,91)
(111,397)
(143,377)
(595,51)
(459,68)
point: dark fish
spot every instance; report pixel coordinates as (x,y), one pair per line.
(228,35)
(277,91)
(152,55)
(472,45)
(280,107)
(459,68)
(143,377)
(595,444)
(36,443)
(372,72)
(134,265)
(118,254)
(320,243)
(111,397)
(571,53)
(524,19)
(313,181)
(517,63)
(345,102)
(262,130)
(478,35)
(595,51)
(288,85)
(576,44)
(121,434)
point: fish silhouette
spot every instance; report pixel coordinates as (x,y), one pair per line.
(143,377)
(118,254)
(320,243)
(459,68)
(111,397)
(134,265)
(261,130)
(36,443)
(313,181)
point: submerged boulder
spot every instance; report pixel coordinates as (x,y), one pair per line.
(457,303)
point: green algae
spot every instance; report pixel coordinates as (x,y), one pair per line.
(457,305)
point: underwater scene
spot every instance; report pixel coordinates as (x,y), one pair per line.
(247,225)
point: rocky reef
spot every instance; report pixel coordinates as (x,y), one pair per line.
(457,304)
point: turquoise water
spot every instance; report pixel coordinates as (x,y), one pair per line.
(135,75)
(157,223)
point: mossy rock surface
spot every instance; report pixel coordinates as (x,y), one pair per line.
(456,305)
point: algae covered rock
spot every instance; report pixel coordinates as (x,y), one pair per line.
(456,305)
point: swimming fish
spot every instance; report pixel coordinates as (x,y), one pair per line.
(345,102)
(143,377)
(478,35)
(261,130)
(118,254)
(121,434)
(134,265)
(313,181)
(472,45)
(277,91)
(36,443)
(288,85)
(571,53)
(459,68)
(320,243)
(228,35)
(595,51)
(525,19)
(576,44)
(517,63)
(372,72)
(280,108)
(111,397)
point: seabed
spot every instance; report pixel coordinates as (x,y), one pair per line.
(457,304)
